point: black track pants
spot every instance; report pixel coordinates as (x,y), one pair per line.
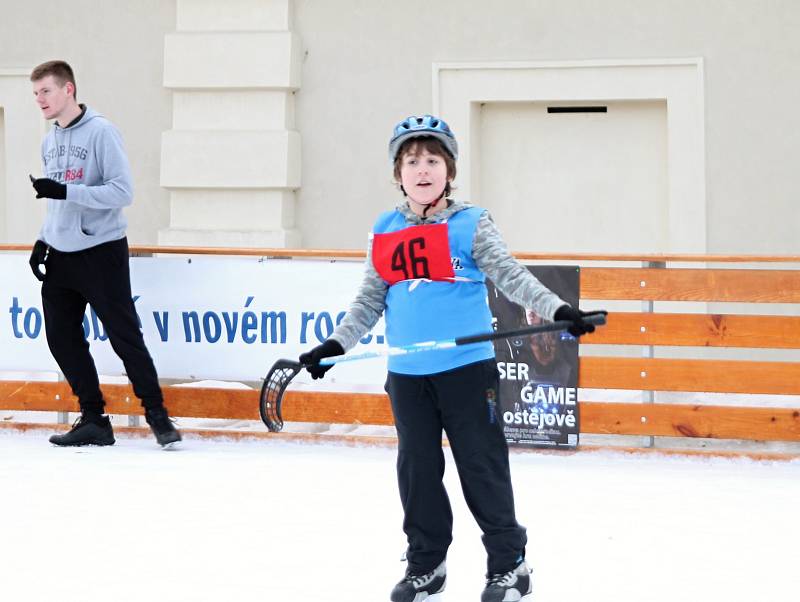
(455,401)
(100,276)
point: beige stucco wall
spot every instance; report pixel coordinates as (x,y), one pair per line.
(367,64)
(375,66)
(116,49)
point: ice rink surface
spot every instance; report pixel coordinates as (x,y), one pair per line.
(274,521)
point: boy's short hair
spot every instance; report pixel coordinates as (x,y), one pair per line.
(60,70)
(435,147)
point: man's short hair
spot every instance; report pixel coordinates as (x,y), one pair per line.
(60,70)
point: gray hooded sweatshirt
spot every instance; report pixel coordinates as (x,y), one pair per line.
(90,159)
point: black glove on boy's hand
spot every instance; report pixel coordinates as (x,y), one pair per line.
(48,189)
(310,359)
(38,257)
(570,314)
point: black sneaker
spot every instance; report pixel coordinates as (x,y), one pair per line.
(162,427)
(415,588)
(87,430)
(509,587)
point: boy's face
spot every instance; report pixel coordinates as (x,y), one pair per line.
(423,175)
(52,97)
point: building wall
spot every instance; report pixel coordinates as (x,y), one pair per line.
(375,67)
(116,49)
(367,64)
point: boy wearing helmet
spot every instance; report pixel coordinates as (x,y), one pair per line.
(426,265)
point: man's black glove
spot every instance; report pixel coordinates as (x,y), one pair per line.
(570,314)
(48,189)
(38,257)
(310,359)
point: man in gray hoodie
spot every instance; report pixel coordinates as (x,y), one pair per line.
(84,251)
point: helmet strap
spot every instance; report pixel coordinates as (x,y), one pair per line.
(429,206)
(432,204)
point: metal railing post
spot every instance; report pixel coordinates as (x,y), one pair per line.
(648,307)
(61,417)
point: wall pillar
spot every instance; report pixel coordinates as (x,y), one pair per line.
(21,130)
(232,158)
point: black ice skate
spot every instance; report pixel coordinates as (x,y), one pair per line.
(512,586)
(415,588)
(87,430)
(162,427)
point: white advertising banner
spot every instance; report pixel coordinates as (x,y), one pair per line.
(222,318)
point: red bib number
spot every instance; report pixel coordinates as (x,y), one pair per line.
(413,252)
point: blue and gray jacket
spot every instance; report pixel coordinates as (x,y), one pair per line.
(421,309)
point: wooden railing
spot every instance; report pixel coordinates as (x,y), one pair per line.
(756,287)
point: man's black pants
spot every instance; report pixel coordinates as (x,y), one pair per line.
(458,402)
(100,276)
